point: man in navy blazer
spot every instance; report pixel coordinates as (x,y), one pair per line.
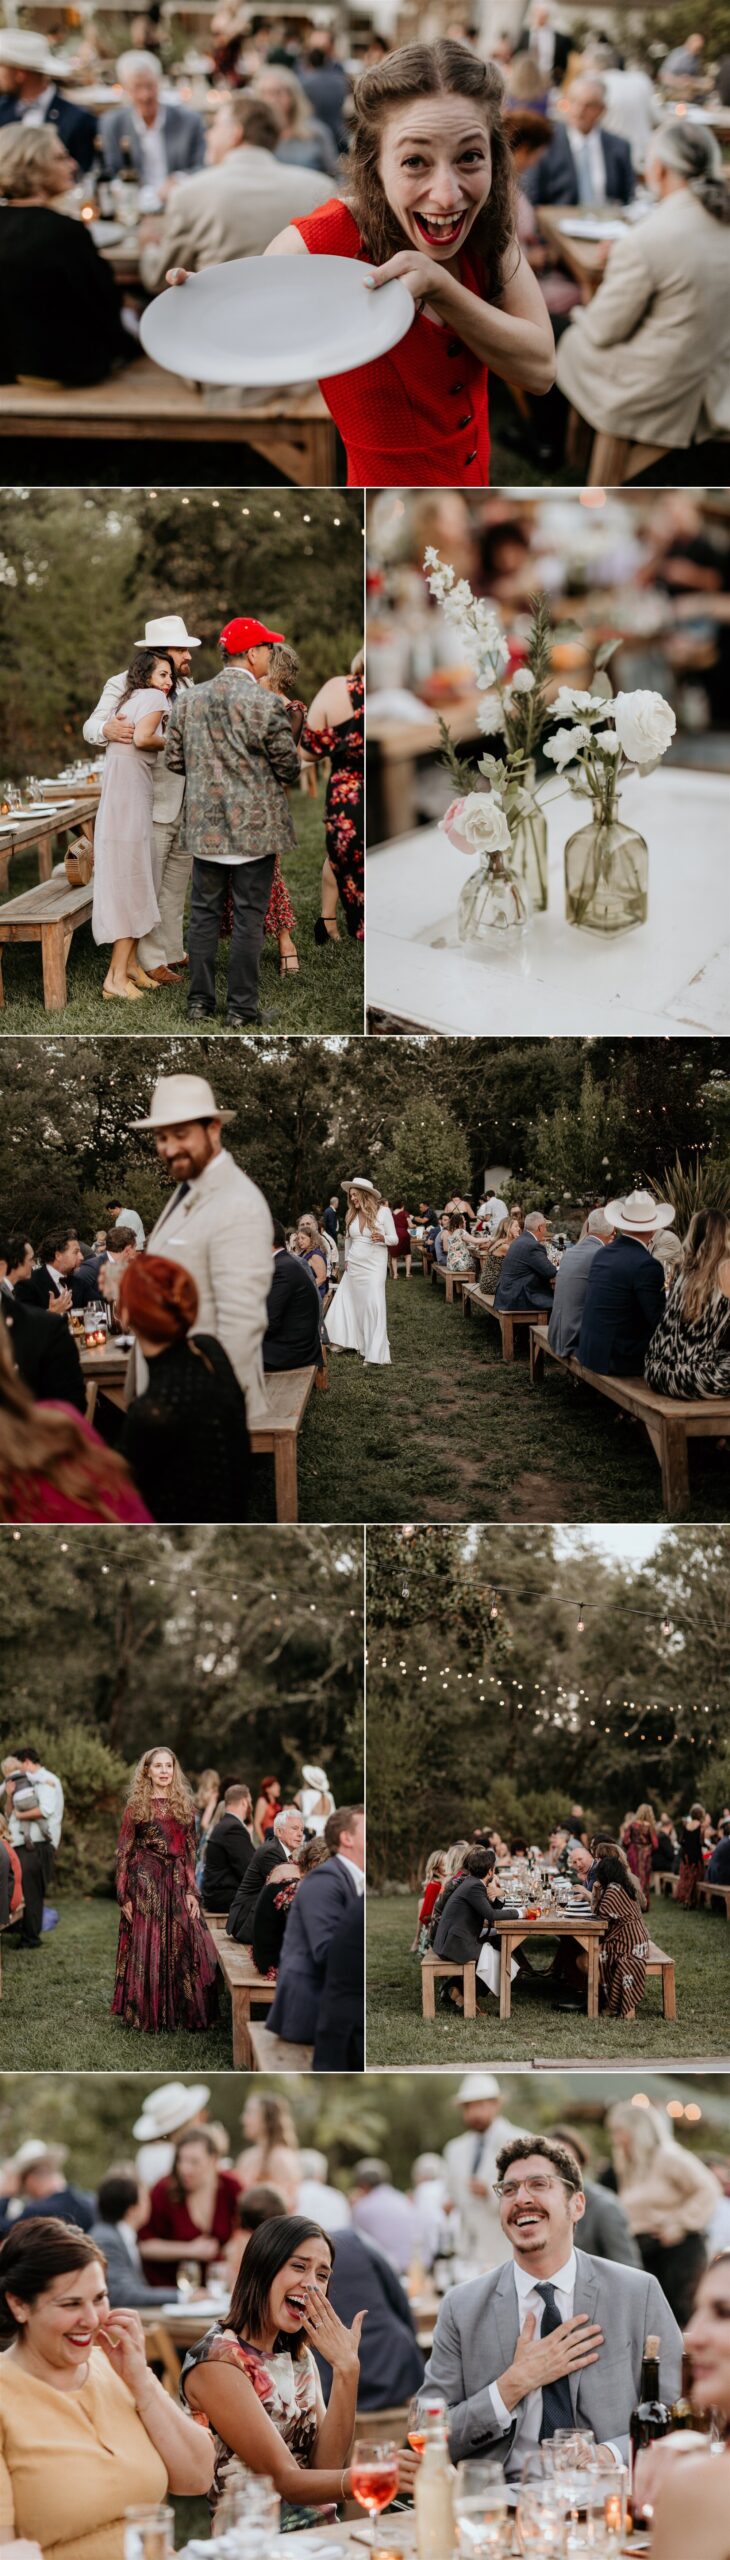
(292,1339)
(584,163)
(625,1289)
(28,87)
(527,1279)
(160,139)
(322,1901)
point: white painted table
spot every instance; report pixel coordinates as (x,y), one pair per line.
(671,975)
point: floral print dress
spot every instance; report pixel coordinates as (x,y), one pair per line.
(290,2391)
(344,816)
(166,1974)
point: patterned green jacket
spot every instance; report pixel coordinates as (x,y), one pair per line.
(235,747)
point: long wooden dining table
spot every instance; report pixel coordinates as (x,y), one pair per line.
(583,1927)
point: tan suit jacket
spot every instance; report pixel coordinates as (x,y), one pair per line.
(649,357)
(223,1235)
(232,211)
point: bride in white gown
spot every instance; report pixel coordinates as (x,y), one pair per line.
(356,1320)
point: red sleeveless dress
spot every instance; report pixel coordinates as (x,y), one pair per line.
(416,418)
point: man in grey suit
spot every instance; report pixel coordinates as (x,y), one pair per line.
(554,2340)
(154,139)
(122,2206)
(572,1282)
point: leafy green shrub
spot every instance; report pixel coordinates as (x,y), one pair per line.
(429,1157)
(703,1184)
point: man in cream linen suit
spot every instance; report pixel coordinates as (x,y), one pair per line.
(235,206)
(470,2163)
(555,2339)
(217,1224)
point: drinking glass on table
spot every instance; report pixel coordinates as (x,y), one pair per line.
(95,1325)
(189,2277)
(482,2512)
(148,2533)
(427,2418)
(374,2477)
(542,2517)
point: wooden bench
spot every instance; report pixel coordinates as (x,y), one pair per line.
(605,461)
(707,1892)
(466,1974)
(669,1423)
(50,915)
(245,1985)
(143,404)
(274,2053)
(35,835)
(664,1966)
(664,1883)
(287,1395)
(510,1320)
(452,1281)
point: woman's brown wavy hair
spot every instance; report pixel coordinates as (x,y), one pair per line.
(430,71)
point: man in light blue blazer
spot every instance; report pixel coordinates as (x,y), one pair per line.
(554,2338)
(156,138)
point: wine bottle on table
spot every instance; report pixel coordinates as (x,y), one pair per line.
(682,2413)
(650,2420)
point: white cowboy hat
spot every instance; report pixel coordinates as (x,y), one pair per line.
(167,633)
(476,2085)
(178,1098)
(315,1777)
(639,1214)
(22,50)
(359,1182)
(166,2109)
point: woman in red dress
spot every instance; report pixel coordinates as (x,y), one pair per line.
(431,199)
(193,2212)
(334,728)
(166,1974)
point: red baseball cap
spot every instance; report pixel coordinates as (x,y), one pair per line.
(244,633)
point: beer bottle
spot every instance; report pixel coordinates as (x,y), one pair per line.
(650,2420)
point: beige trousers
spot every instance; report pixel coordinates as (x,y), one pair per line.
(172,870)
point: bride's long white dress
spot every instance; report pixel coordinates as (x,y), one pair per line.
(356,1320)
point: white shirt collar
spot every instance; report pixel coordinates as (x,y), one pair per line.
(356,1872)
(564,2281)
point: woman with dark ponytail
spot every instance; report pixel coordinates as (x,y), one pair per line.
(648,360)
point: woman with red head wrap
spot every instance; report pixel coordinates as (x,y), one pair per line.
(185,1437)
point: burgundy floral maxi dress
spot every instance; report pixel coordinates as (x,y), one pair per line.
(166,1974)
(344,814)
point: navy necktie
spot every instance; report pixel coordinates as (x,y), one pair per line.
(557,2406)
(175,1203)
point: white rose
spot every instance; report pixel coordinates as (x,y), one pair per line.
(524,681)
(484,824)
(645,726)
(608,741)
(569,705)
(491,713)
(566,744)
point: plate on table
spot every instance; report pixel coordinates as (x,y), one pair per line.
(106,235)
(275,320)
(583,228)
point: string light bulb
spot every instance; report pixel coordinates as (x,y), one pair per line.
(580,1622)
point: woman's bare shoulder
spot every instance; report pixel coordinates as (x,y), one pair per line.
(698,2486)
(288,244)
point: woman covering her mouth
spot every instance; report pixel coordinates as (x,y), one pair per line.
(431,199)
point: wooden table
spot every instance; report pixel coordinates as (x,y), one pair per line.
(584,259)
(587,1933)
(106,1371)
(401,742)
(78,809)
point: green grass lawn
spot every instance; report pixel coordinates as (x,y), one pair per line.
(450,1432)
(398,2034)
(55,2006)
(326,996)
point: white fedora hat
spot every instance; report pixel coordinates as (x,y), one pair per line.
(179,1098)
(22,50)
(359,1182)
(315,1777)
(166,2109)
(639,1214)
(476,2085)
(168,632)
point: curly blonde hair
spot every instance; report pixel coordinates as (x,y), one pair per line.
(141,1794)
(367,1201)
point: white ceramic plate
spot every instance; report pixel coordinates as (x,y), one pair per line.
(275,320)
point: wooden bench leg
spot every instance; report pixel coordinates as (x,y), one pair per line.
(45,856)
(536,1353)
(428,1985)
(2,983)
(669,1991)
(609,458)
(578,439)
(53,955)
(505,1976)
(508,1338)
(4,873)
(449,1288)
(674,1462)
(243,2056)
(466,1302)
(470,1991)
(285,1476)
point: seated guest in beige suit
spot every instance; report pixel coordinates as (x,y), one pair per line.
(217,1224)
(234,207)
(649,357)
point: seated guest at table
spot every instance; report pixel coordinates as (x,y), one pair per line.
(42,1350)
(254,2377)
(287,1833)
(460,1253)
(625,1947)
(48,1284)
(391,2363)
(605,2231)
(274,1905)
(442,1240)
(527,87)
(309,1249)
(572,1281)
(236,205)
(166,1974)
(41,2187)
(584,163)
(718,1868)
(530,2347)
(268,1804)
(304,143)
(679,2490)
(52,1465)
(229,1850)
(320,1907)
(59,307)
(257,2206)
(192,2211)
(527,1278)
(28,91)
(689,1355)
(99,1275)
(87,2430)
(339,2043)
(185,1437)
(528,135)
(462,1923)
(684,62)
(649,357)
(624,1293)
(490,1263)
(158,139)
(122,2208)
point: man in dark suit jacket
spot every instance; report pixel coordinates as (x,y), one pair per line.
(339,2044)
(122,2208)
(85,1281)
(718,1871)
(27,80)
(625,1292)
(229,1852)
(42,1349)
(550,46)
(527,1279)
(292,1337)
(285,1840)
(321,1905)
(584,163)
(391,2363)
(50,1284)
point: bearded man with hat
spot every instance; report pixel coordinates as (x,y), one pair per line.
(160,953)
(217,1224)
(29,93)
(233,742)
(470,2163)
(624,1296)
